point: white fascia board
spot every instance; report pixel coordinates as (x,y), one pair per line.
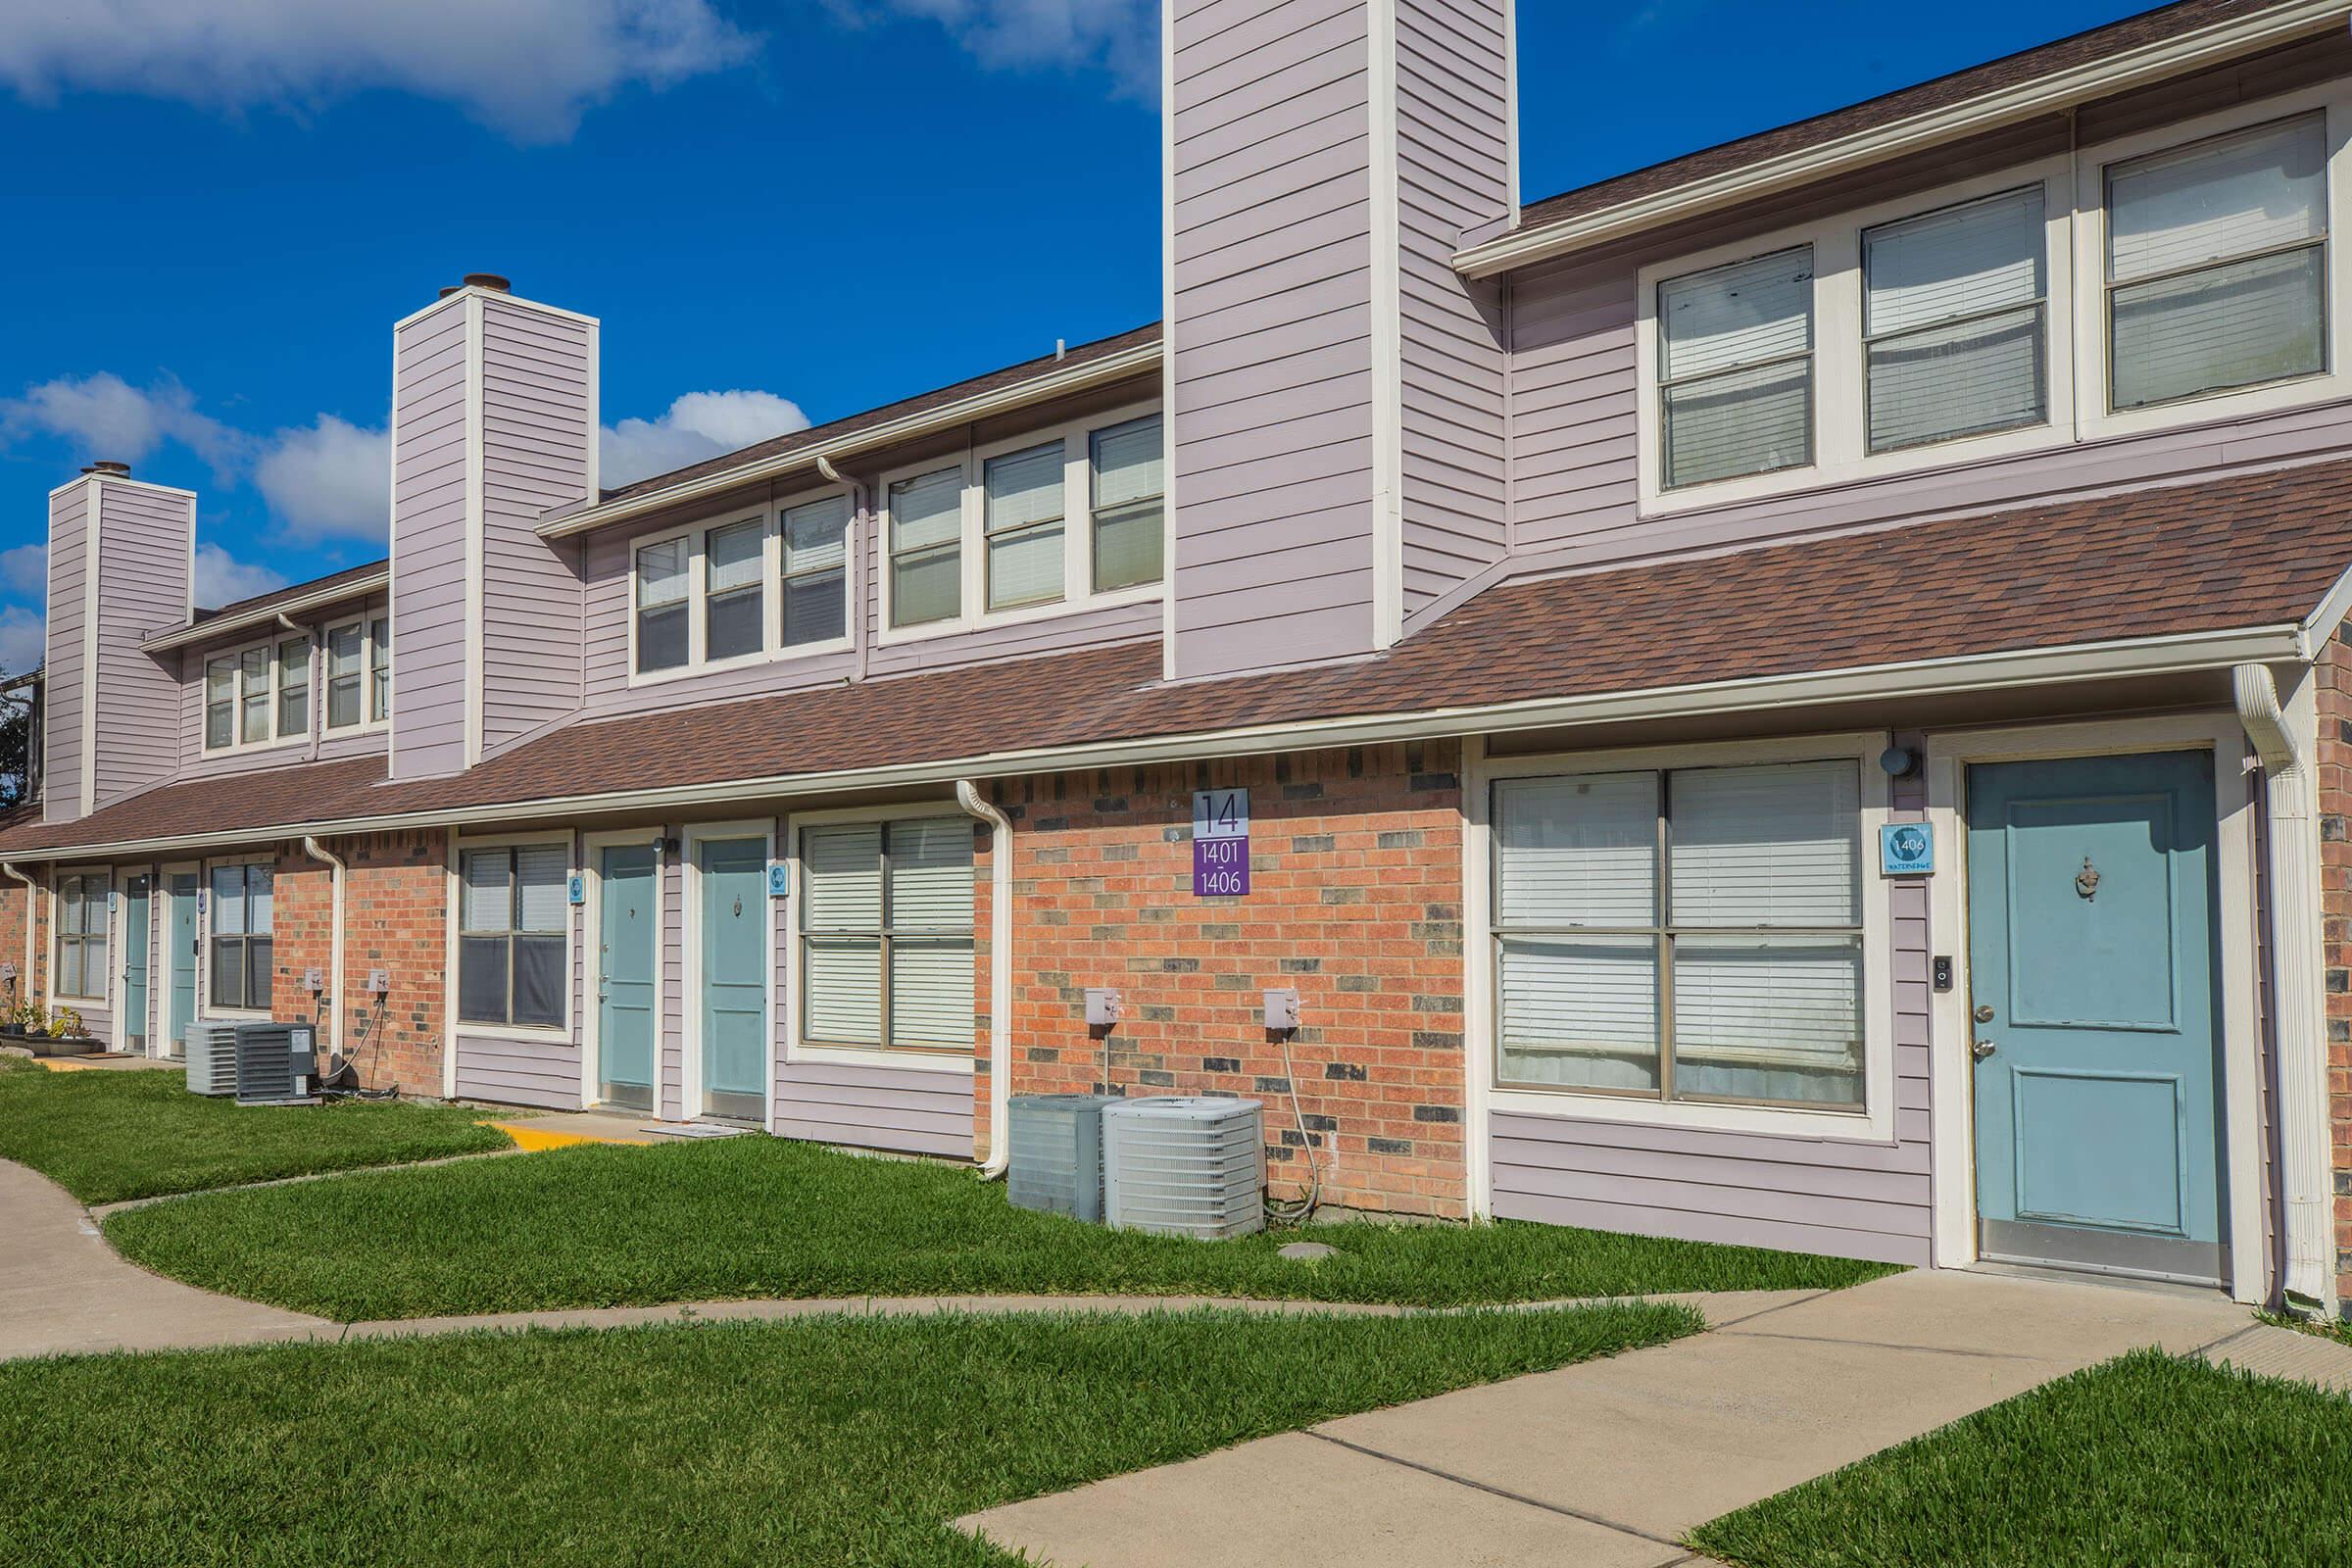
(2044,95)
(206,630)
(1044,385)
(2101,661)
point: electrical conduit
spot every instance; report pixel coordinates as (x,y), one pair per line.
(1000,975)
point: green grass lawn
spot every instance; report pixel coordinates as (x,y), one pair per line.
(825,1443)
(2151,1460)
(110,1136)
(603,1226)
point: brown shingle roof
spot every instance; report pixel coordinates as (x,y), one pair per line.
(298,590)
(778,446)
(2250,550)
(2149,27)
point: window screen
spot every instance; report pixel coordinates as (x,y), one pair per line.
(1735,368)
(1953,322)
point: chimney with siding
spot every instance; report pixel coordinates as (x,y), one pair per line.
(121,567)
(494,421)
(1335,393)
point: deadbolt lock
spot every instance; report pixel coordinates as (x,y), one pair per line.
(1983,1013)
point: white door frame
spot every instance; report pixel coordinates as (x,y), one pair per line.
(592,972)
(1948,756)
(690,1012)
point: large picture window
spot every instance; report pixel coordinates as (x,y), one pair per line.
(242,948)
(512,935)
(1693,934)
(885,934)
(81,935)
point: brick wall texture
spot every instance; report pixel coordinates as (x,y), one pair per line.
(2334,781)
(1356,901)
(394,919)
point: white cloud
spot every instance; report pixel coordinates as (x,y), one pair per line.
(223,579)
(21,645)
(328,480)
(26,569)
(1118,37)
(526,67)
(698,425)
(104,417)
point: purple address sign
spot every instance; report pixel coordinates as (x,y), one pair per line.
(1220,844)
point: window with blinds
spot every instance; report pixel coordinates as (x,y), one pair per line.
(1023,510)
(885,934)
(734,590)
(242,911)
(1735,368)
(926,548)
(1953,319)
(816,570)
(294,686)
(662,589)
(514,924)
(346,674)
(2216,262)
(257,695)
(1689,935)
(379,669)
(1130,485)
(81,936)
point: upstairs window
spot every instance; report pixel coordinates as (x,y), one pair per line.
(1735,368)
(1130,485)
(358,672)
(294,686)
(257,695)
(379,669)
(81,935)
(662,588)
(926,548)
(735,590)
(513,933)
(815,568)
(2217,265)
(243,918)
(885,934)
(1023,522)
(219,704)
(1953,325)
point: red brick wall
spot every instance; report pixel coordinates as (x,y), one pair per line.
(1356,901)
(394,915)
(14,901)
(2334,781)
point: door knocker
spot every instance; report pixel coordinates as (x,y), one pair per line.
(738,905)
(2086,880)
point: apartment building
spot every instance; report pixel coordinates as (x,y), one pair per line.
(1793,696)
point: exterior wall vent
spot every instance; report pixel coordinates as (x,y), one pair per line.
(211,1050)
(1057,1165)
(1185,1166)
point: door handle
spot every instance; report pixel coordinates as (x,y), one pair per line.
(1982,1048)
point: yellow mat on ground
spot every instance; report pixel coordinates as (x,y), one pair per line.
(535,1139)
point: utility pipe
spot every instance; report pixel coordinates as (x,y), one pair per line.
(1000,975)
(33,891)
(334,974)
(2294,859)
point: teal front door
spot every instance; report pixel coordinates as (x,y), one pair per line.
(179,959)
(627,951)
(2091,970)
(733,877)
(137,891)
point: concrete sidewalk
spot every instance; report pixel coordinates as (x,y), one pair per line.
(1606,1464)
(62,1290)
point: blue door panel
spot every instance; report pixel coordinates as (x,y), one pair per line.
(628,943)
(182,958)
(733,874)
(132,1026)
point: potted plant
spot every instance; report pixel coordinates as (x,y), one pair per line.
(64,1035)
(22,1020)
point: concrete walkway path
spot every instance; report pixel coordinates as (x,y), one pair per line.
(64,1290)
(1606,1464)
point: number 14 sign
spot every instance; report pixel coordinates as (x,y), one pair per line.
(1220,842)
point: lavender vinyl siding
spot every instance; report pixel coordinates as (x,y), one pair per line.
(1271,420)
(545,1073)
(143,584)
(1807,1194)
(329,745)
(538,394)
(62,657)
(430,647)
(1454,167)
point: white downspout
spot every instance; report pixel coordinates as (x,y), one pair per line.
(1000,975)
(334,974)
(32,894)
(2293,831)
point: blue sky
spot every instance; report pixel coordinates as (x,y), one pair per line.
(781,210)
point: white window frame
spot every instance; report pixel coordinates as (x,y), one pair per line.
(1873,1123)
(798,1049)
(591,924)
(57,932)
(321,673)
(2073,281)
(205,905)
(557,1033)
(772,650)
(690,1071)
(236,728)
(1077,522)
